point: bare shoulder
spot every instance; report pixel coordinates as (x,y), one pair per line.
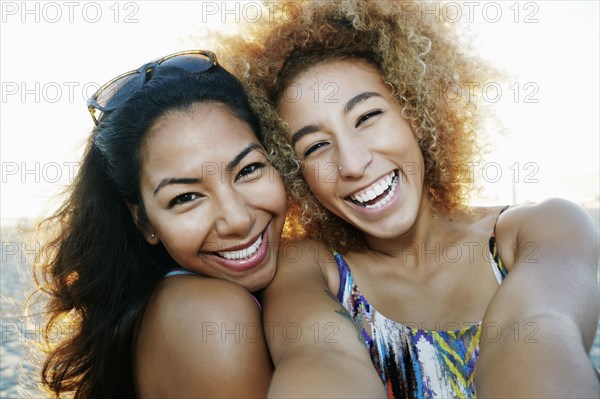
(553,212)
(304,256)
(553,222)
(305,251)
(195,328)
(189,310)
(186,295)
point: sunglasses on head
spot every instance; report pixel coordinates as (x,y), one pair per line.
(116,91)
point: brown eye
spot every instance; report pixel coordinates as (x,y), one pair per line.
(313,148)
(183,199)
(365,117)
(247,171)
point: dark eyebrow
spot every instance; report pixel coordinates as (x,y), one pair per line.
(192,180)
(175,180)
(238,158)
(354,101)
(303,132)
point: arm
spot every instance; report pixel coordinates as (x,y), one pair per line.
(316,348)
(201,337)
(546,310)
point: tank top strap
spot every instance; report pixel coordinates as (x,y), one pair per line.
(498,268)
(346,281)
(177,271)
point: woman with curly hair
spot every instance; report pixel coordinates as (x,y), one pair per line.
(163,236)
(375,149)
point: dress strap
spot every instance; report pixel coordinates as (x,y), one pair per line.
(498,268)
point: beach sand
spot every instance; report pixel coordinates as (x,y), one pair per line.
(20,334)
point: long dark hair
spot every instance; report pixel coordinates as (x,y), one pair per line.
(97,268)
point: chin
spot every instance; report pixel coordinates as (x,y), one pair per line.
(257,283)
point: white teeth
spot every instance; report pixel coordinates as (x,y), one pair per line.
(376,190)
(386,199)
(242,253)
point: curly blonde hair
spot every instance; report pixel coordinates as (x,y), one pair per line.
(423,61)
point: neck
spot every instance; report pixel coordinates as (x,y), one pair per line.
(427,231)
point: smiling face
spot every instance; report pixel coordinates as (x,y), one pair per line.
(211,197)
(360,157)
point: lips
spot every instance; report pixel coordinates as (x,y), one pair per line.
(377,194)
(245,256)
(244,253)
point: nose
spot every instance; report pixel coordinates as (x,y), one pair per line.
(354,156)
(233,215)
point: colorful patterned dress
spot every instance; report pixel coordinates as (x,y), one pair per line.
(416,363)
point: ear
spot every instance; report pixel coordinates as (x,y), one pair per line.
(147,231)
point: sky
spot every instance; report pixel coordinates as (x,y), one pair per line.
(53,55)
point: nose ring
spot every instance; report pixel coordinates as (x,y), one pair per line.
(340,168)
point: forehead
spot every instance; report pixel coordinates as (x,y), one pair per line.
(334,71)
(182,139)
(330,89)
(332,82)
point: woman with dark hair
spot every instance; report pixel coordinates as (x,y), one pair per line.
(451,300)
(165,233)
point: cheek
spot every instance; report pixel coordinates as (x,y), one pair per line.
(415,155)
(277,198)
(179,251)
(320,174)
(184,235)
